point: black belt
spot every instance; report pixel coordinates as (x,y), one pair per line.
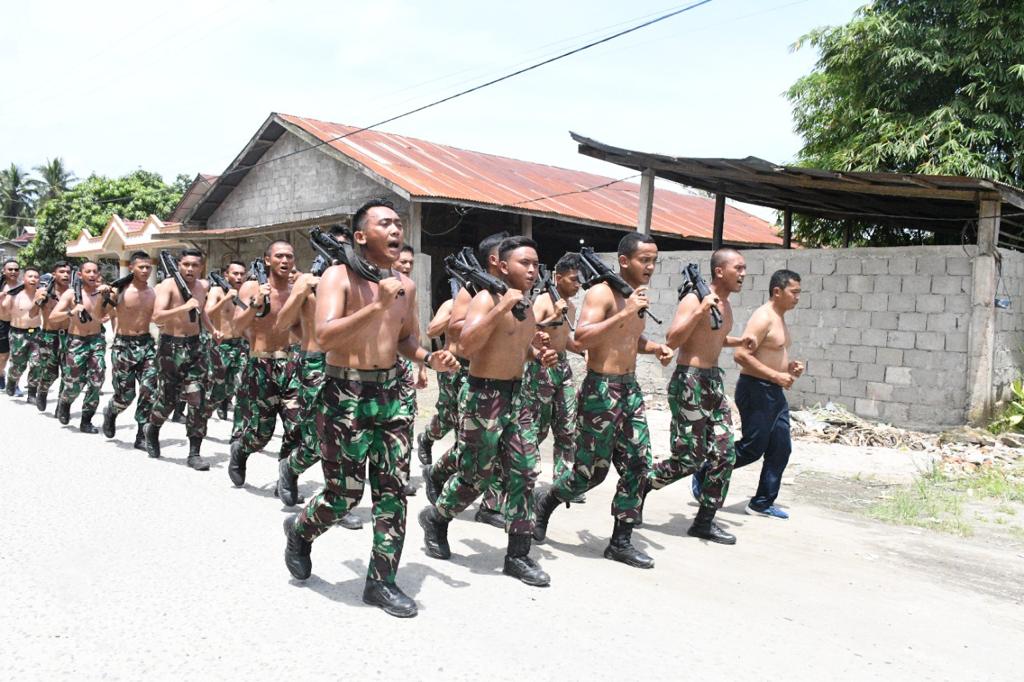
(503,385)
(378,376)
(132,337)
(179,340)
(24,330)
(626,378)
(86,337)
(238,340)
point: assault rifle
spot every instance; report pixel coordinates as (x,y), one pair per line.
(693,283)
(218,281)
(467,269)
(49,283)
(171,270)
(547,283)
(120,283)
(594,271)
(336,252)
(259,273)
(76,287)
(15,290)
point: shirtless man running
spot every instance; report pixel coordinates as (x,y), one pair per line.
(52,339)
(85,362)
(8,279)
(227,358)
(612,420)
(267,381)
(701,429)
(497,430)
(25,320)
(180,358)
(363,421)
(133,355)
(764,411)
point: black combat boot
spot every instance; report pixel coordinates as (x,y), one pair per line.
(435,533)
(222,410)
(236,467)
(350,521)
(543,506)
(63,412)
(41,400)
(109,421)
(140,438)
(30,395)
(621,549)
(296,551)
(85,426)
(423,449)
(388,597)
(432,487)
(194,461)
(410,489)
(287,484)
(11,388)
(705,528)
(179,413)
(518,563)
(152,440)
(490,516)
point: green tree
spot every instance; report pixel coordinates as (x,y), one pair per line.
(55,179)
(18,193)
(913,86)
(89,205)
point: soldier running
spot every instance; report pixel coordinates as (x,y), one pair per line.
(228,358)
(412,378)
(180,359)
(85,360)
(8,279)
(701,430)
(363,421)
(611,419)
(267,382)
(25,320)
(52,339)
(497,431)
(133,353)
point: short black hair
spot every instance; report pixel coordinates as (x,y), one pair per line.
(489,244)
(570,261)
(190,252)
(406,247)
(781,279)
(29,268)
(510,244)
(632,241)
(341,230)
(88,262)
(720,257)
(139,255)
(360,214)
(238,263)
(11,260)
(270,246)
(60,264)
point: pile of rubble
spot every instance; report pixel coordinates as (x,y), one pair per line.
(962,449)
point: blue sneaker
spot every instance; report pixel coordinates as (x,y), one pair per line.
(695,487)
(772,512)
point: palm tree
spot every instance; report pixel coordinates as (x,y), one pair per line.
(56,178)
(18,193)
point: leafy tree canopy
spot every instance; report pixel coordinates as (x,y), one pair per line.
(89,205)
(914,86)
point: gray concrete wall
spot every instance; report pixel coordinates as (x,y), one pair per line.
(883,330)
(1009,347)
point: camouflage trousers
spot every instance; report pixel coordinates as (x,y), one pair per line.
(551,392)
(308,381)
(446,417)
(363,425)
(701,433)
(407,371)
(499,440)
(447,465)
(85,366)
(133,361)
(181,369)
(224,375)
(612,430)
(268,391)
(23,346)
(51,347)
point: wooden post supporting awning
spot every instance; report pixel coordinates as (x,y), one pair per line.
(646,208)
(787,229)
(718,231)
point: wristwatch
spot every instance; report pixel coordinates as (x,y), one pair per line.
(426,358)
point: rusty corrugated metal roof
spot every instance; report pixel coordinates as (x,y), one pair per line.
(432,171)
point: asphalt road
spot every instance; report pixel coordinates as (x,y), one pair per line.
(117,566)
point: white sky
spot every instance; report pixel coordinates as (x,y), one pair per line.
(180,87)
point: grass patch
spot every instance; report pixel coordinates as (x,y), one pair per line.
(930,502)
(994,483)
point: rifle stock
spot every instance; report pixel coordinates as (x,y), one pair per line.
(336,252)
(76,286)
(594,271)
(219,281)
(171,270)
(465,267)
(259,272)
(694,283)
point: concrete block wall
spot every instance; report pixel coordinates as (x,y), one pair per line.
(883,330)
(1009,346)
